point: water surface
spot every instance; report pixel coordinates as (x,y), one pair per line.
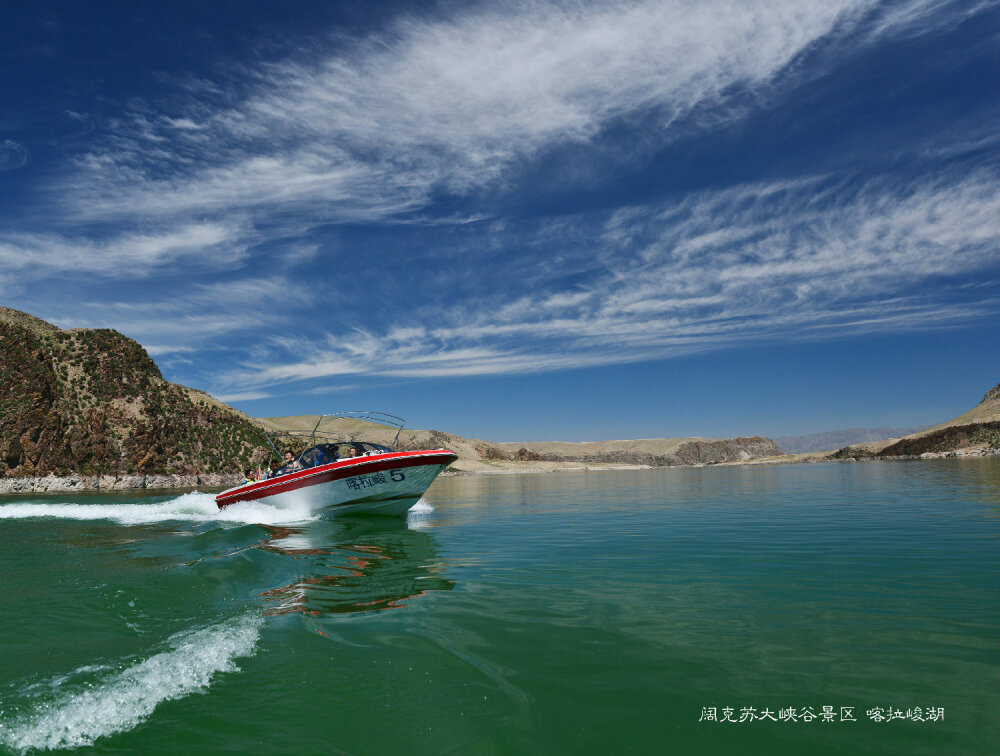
(571,613)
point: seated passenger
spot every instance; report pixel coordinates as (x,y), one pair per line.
(249,476)
(314,457)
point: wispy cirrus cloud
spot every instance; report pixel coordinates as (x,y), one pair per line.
(122,254)
(181,322)
(245,396)
(377,130)
(814,258)
(372,128)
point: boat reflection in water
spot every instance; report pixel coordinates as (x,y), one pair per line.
(347,567)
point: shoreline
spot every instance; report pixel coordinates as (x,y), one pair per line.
(56,484)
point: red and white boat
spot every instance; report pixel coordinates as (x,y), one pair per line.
(345,475)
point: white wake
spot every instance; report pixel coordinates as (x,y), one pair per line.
(120,701)
(189,507)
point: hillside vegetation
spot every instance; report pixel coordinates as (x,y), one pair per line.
(92,401)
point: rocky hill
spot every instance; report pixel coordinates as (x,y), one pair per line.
(656,452)
(974,432)
(92,402)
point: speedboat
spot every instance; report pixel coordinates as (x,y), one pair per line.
(343,474)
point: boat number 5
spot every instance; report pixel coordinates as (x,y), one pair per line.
(396,475)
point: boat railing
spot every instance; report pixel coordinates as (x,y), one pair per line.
(318,433)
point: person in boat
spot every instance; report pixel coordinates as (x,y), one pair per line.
(323,454)
(249,476)
(291,464)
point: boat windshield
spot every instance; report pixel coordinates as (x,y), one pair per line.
(324,454)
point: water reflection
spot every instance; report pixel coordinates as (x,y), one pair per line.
(346,567)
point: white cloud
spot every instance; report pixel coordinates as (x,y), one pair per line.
(371,128)
(129,255)
(157,350)
(246,396)
(754,262)
(179,322)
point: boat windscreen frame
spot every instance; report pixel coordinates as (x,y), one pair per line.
(372,416)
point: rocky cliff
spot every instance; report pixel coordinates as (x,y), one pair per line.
(727,450)
(92,402)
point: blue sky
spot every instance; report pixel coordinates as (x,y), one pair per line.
(519,220)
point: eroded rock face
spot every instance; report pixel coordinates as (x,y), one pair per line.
(92,402)
(727,450)
(621,457)
(490,452)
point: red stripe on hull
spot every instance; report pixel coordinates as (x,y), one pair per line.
(345,468)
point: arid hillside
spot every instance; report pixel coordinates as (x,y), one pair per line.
(92,402)
(972,432)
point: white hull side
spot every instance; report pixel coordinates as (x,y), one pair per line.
(375,493)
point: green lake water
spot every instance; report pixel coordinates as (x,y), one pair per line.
(576,613)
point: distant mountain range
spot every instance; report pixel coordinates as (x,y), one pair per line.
(837,439)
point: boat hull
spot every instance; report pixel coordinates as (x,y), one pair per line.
(379,484)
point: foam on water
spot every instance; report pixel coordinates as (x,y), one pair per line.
(120,701)
(189,507)
(418,516)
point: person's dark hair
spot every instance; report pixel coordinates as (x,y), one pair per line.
(248,472)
